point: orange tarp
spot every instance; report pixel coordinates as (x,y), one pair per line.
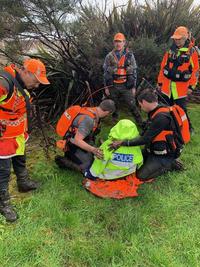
(120,188)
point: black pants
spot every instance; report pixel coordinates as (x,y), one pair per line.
(154,166)
(19,166)
(182,102)
(79,156)
(121,95)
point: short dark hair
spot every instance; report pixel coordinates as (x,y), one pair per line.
(148,95)
(108,105)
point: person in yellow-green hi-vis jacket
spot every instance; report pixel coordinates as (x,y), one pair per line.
(121,162)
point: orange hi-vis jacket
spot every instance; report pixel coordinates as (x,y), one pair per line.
(13,119)
(179,71)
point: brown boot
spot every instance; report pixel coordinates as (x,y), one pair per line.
(66,163)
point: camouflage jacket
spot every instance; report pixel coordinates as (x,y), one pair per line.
(110,67)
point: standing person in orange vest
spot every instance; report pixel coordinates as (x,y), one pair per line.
(179,70)
(14,122)
(120,72)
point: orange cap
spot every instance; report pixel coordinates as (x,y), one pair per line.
(180,32)
(119,37)
(36,67)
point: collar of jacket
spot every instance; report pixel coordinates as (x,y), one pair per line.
(18,78)
(155,109)
(119,54)
(174,48)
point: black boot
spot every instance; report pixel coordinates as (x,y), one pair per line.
(25,184)
(6,209)
(177,166)
(66,163)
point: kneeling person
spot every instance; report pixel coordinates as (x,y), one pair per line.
(81,137)
(160,138)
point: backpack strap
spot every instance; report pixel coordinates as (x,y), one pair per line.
(14,83)
(160,110)
(91,112)
(177,128)
(127,57)
(10,84)
(177,136)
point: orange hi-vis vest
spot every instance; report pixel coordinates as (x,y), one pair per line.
(65,123)
(13,115)
(65,127)
(179,134)
(179,72)
(120,76)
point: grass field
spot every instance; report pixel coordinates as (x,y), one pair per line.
(63,225)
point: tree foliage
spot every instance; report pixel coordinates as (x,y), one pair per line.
(73,39)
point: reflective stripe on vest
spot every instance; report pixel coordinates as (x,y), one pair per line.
(120,164)
(158,152)
(110,174)
(15,122)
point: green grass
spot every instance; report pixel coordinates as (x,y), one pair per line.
(63,225)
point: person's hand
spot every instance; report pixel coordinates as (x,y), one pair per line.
(133,91)
(98,153)
(107,92)
(115,144)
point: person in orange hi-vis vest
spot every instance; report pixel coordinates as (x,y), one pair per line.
(79,126)
(166,133)
(120,75)
(179,70)
(14,125)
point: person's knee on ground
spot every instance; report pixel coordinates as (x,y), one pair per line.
(146,173)
(66,163)
(155,166)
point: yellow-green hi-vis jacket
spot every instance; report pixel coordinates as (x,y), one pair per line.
(122,161)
